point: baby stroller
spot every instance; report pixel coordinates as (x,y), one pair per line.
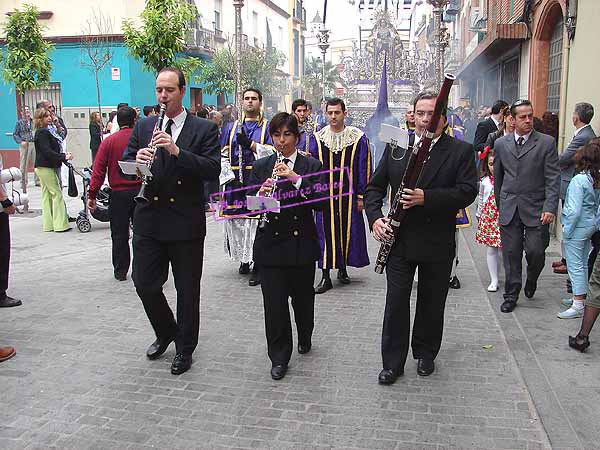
(102,200)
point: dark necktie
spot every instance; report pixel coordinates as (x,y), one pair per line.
(520,143)
(168,127)
(286,161)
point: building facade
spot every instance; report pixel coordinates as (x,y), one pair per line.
(266,23)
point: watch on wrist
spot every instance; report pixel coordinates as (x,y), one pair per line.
(6,203)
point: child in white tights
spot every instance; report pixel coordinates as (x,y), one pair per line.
(488,230)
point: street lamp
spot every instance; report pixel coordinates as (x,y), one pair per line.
(238,4)
(323,38)
(440,38)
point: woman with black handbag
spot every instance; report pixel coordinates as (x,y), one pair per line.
(48,158)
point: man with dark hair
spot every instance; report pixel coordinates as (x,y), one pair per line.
(425,240)
(202,113)
(115,125)
(306,125)
(410,118)
(345,152)
(526,187)
(121,206)
(170,227)
(489,125)
(149,111)
(243,141)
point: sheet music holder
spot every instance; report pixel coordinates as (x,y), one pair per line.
(133,168)
(393,135)
(261,203)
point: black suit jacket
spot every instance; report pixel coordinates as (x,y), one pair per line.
(176,209)
(449,182)
(484,128)
(290,237)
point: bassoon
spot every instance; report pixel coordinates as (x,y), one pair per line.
(414,169)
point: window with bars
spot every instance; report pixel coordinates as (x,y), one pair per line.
(555,68)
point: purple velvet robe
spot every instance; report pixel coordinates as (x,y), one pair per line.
(341,226)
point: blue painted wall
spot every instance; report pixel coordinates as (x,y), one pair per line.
(78,87)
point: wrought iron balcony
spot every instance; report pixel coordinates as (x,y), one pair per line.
(201,39)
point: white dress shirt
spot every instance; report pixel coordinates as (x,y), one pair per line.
(290,164)
(178,122)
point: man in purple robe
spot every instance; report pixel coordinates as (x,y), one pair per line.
(344,151)
(242,142)
(305,123)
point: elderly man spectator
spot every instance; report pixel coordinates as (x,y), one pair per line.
(526,186)
(582,116)
(23,135)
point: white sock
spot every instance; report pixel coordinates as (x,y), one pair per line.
(578,304)
(492,263)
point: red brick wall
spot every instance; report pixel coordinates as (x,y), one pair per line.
(10,158)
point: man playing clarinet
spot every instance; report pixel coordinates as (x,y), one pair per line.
(425,240)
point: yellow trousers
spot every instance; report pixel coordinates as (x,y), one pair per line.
(54,211)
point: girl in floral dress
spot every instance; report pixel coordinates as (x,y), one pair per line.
(488,230)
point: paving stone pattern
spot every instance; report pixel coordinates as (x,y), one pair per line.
(81,380)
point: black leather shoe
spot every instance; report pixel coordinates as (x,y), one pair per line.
(158,347)
(323,286)
(304,348)
(343,277)
(181,364)
(389,376)
(454,283)
(72,219)
(508,306)
(278,371)
(244,269)
(8,302)
(579,342)
(425,367)
(530,287)
(254,277)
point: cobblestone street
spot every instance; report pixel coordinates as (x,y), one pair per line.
(80,379)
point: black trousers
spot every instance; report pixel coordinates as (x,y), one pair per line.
(120,212)
(517,237)
(151,260)
(428,327)
(278,284)
(4,253)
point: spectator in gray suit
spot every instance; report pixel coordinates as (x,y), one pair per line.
(582,116)
(526,186)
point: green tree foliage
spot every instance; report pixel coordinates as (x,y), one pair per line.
(259,69)
(165,25)
(312,81)
(26,62)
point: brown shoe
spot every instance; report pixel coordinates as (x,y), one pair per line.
(558,263)
(562,270)
(7,353)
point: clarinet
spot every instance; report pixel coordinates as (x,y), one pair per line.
(414,169)
(264,219)
(146,179)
